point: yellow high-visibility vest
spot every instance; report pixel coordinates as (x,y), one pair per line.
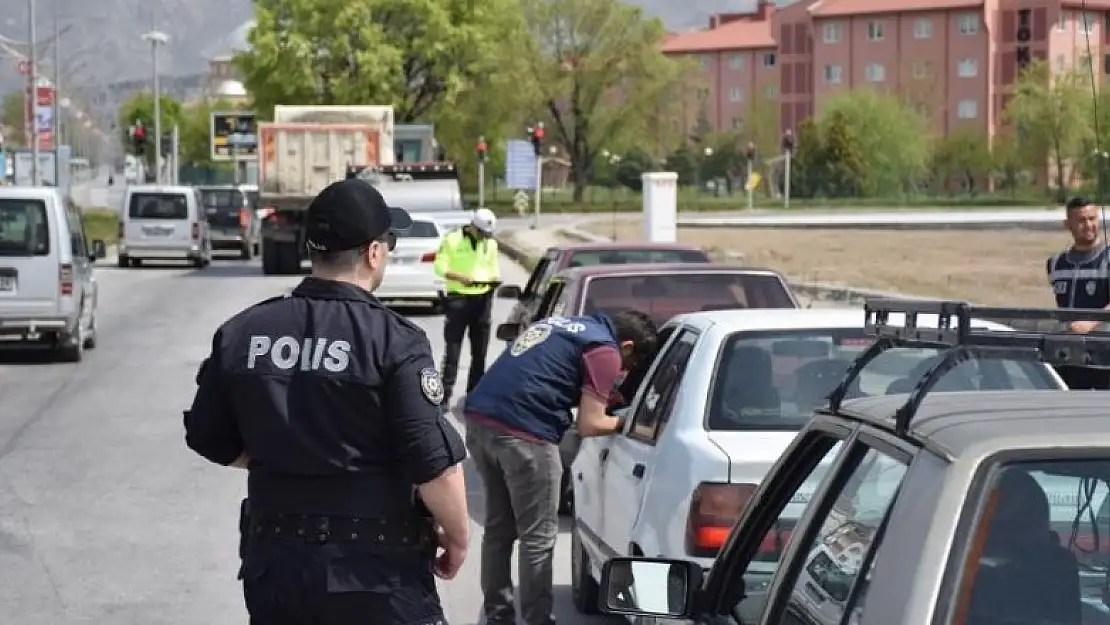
(458,254)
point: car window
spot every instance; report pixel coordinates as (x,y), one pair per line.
(651,413)
(76,231)
(633,256)
(542,268)
(775,380)
(223,200)
(421,230)
(1039,545)
(547,304)
(836,557)
(24,230)
(666,295)
(158,206)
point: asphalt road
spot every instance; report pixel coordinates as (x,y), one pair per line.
(105,515)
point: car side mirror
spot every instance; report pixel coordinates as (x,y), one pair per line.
(649,587)
(99,250)
(508,331)
(509,291)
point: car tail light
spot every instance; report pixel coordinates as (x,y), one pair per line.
(244,218)
(714,509)
(65,279)
(430,257)
(196,231)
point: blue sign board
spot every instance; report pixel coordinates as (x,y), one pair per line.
(520,165)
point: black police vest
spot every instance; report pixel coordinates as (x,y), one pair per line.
(1080,279)
(533,385)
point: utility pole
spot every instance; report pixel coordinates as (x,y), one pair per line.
(788,144)
(156,39)
(33,93)
(482,155)
(57,133)
(750,153)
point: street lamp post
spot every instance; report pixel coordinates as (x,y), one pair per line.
(32,94)
(57,130)
(157,38)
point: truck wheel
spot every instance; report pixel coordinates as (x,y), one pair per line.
(290,259)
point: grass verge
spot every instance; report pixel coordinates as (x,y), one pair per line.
(103,224)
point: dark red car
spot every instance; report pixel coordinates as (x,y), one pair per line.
(561,257)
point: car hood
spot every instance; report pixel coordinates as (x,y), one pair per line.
(751,454)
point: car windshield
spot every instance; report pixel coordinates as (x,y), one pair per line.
(158,206)
(634,256)
(223,200)
(663,296)
(24,230)
(775,380)
(420,230)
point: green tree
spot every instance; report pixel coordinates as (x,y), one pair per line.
(14,113)
(808,165)
(1050,113)
(1008,164)
(964,155)
(601,78)
(196,130)
(891,135)
(844,169)
(140,107)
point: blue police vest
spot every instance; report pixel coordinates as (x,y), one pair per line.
(1080,279)
(533,385)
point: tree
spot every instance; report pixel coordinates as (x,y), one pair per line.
(808,164)
(1050,115)
(845,168)
(14,114)
(602,80)
(964,154)
(140,106)
(1008,162)
(892,139)
(418,55)
(196,131)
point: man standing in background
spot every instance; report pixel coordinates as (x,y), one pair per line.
(1080,278)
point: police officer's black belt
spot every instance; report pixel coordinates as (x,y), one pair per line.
(344,529)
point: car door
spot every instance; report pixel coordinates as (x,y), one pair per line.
(799,566)
(628,462)
(534,289)
(82,266)
(161,220)
(546,307)
(29,275)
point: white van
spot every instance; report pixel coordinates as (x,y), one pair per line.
(163,223)
(47,291)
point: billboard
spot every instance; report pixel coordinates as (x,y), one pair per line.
(234,136)
(40,110)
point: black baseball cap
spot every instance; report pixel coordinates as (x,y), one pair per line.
(349,214)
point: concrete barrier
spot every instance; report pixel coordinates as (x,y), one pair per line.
(1035,220)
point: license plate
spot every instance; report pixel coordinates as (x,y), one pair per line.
(7,283)
(157,231)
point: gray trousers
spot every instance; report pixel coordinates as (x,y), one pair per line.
(521,482)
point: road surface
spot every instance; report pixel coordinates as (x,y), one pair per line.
(105,515)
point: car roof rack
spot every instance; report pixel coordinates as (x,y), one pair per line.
(954,332)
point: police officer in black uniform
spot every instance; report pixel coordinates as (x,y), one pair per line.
(332,402)
(1080,278)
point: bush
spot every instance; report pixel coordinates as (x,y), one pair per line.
(101,223)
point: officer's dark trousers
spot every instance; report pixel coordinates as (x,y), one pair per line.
(521,482)
(469,315)
(291,582)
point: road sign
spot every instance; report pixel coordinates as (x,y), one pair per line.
(520,165)
(24,67)
(40,111)
(521,202)
(234,134)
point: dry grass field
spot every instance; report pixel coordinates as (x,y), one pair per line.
(1004,267)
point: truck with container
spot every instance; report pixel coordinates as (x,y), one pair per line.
(302,151)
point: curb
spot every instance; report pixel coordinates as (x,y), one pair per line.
(524,258)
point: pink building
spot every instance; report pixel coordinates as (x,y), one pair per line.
(954,59)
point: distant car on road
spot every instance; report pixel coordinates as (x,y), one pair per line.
(411,276)
(232,221)
(561,257)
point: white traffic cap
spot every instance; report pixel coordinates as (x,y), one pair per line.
(484,220)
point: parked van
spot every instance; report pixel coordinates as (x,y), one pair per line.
(163,223)
(48,294)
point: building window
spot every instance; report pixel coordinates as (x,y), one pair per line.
(922,69)
(833,74)
(875,72)
(832,32)
(969,24)
(967,109)
(735,94)
(967,68)
(1061,22)
(769,59)
(875,30)
(1086,24)
(922,28)
(771,92)
(736,61)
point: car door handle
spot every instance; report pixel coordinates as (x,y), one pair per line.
(604,454)
(638,471)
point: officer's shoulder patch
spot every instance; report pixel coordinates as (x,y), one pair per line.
(535,334)
(431,385)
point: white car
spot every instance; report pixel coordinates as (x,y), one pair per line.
(411,276)
(161,223)
(724,397)
(48,294)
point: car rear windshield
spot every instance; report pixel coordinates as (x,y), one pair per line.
(421,230)
(775,380)
(666,295)
(223,200)
(158,206)
(632,256)
(24,230)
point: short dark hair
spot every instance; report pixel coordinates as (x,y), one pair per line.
(337,262)
(1077,201)
(635,326)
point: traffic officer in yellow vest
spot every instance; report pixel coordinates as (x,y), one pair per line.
(468,261)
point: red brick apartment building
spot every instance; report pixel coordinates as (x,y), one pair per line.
(957,59)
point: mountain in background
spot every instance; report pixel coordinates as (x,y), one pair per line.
(102,44)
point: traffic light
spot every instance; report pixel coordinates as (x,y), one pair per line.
(788,141)
(137,133)
(167,143)
(482,149)
(535,133)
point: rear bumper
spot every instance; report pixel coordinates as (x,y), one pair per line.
(17,327)
(167,253)
(410,286)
